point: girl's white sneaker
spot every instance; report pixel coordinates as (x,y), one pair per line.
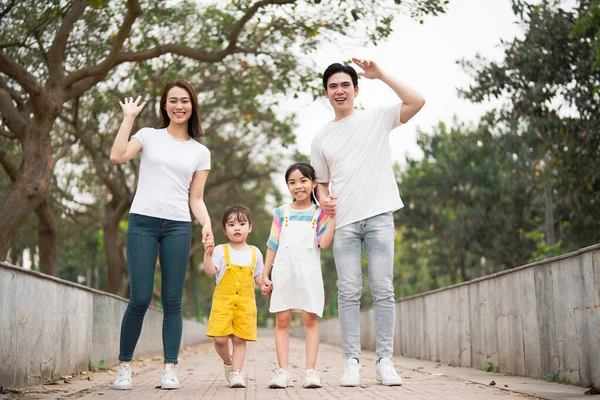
(237,380)
(311,379)
(281,380)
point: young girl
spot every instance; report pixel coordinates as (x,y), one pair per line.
(173,171)
(298,230)
(237,267)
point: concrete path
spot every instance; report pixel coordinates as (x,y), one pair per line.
(201,373)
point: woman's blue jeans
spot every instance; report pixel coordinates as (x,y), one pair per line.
(148,237)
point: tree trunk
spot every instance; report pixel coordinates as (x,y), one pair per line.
(112,252)
(33,179)
(47,234)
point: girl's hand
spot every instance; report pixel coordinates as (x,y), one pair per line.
(131,108)
(208,239)
(267,287)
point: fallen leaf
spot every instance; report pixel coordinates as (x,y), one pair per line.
(50,389)
(111,372)
(593,390)
(14,390)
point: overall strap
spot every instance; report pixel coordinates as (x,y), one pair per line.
(226,252)
(253,263)
(285,223)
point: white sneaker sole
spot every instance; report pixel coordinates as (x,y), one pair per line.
(312,386)
(350,383)
(278,386)
(123,387)
(170,386)
(237,385)
(378,377)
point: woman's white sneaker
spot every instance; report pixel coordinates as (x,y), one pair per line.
(123,378)
(168,378)
(311,379)
(351,373)
(386,373)
(281,380)
(237,380)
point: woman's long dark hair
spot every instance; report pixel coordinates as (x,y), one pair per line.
(194,127)
(307,171)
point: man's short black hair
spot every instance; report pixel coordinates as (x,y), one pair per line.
(337,67)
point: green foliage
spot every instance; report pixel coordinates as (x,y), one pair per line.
(468,207)
(550,77)
(490,367)
(542,249)
(101,366)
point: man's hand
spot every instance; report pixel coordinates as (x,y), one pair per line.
(370,68)
(329,206)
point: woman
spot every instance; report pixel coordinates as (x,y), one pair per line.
(173,172)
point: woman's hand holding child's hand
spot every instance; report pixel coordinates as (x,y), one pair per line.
(267,287)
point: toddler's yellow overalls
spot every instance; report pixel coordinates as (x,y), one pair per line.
(233,309)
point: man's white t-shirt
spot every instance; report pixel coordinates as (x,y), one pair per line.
(353,155)
(166,170)
(238,258)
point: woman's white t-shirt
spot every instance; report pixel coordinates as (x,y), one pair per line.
(166,170)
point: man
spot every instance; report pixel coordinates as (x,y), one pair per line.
(352,153)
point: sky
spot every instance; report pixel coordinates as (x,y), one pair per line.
(424,57)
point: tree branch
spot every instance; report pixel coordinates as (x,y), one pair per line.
(9,167)
(22,77)
(57,49)
(14,95)
(9,6)
(134,10)
(81,80)
(10,115)
(7,134)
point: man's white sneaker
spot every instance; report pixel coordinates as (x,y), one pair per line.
(123,378)
(281,380)
(237,380)
(228,369)
(386,373)
(168,378)
(351,373)
(311,379)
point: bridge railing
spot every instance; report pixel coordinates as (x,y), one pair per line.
(48,325)
(538,320)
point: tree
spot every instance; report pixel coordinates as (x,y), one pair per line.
(550,78)
(54,52)
(469,203)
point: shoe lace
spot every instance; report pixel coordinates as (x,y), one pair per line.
(170,373)
(352,369)
(123,373)
(387,368)
(311,375)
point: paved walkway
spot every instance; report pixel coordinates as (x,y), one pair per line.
(201,374)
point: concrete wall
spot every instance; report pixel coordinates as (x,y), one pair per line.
(50,325)
(537,320)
